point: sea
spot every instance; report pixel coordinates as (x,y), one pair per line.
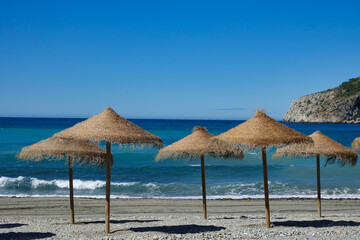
(136,174)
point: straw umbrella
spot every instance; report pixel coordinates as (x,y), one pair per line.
(323,147)
(356,144)
(200,143)
(54,148)
(108,126)
(260,132)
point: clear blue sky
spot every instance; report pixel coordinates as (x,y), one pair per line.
(172,59)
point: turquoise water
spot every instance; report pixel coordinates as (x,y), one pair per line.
(136,174)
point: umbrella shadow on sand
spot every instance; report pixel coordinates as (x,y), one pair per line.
(317,223)
(120,221)
(11,225)
(179,229)
(26,235)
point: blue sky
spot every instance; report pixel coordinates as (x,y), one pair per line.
(172,59)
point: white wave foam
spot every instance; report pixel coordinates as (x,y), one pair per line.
(77,183)
(235,197)
(7,180)
(151,185)
(19,186)
(124,183)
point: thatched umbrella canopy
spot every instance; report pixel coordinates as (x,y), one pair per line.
(199,144)
(323,147)
(110,127)
(55,148)
(261,131)
(356,144)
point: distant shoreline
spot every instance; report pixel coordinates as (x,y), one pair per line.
(184,198)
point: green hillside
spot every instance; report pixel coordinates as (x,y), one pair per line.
(348,88)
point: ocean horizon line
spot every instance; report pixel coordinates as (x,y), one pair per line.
(166,119)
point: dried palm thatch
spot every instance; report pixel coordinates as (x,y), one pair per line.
(56,148)
(356,144)
(199,143)
(323,146)
(111,127)
(263,131)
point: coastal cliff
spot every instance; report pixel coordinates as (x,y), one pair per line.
(337,105)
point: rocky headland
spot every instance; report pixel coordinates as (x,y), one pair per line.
(337,105)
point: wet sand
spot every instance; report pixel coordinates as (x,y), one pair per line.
(48,218)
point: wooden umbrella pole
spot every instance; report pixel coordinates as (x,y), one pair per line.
(203,186)
(318,184)
(266,190)
(71,188)
(107,206)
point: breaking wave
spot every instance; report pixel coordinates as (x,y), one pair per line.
(29,186)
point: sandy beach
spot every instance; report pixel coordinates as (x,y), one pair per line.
(48,218)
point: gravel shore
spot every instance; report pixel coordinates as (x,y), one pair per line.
(48,218)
